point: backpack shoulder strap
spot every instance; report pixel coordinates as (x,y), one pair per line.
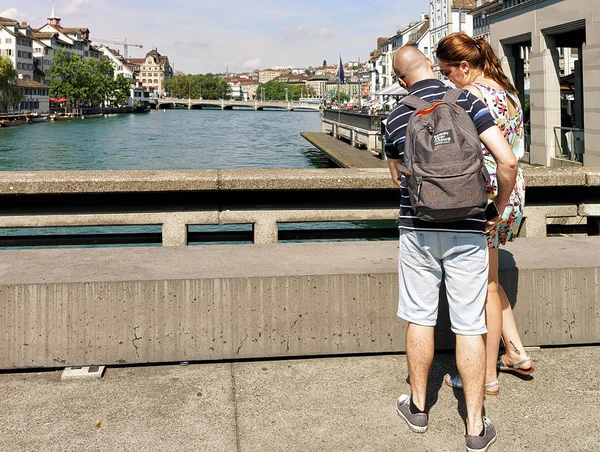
(415,102)
(452,95)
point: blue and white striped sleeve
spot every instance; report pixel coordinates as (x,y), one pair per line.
(479,112)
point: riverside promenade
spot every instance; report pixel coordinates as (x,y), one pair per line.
(329,404)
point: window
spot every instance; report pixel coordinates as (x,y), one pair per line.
(8,40)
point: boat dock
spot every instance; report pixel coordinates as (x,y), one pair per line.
(342,153)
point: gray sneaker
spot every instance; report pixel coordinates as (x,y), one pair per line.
(482,443)
(417,422)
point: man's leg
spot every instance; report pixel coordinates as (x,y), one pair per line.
(419,354)
(420,275)
(466,271)
(470,360)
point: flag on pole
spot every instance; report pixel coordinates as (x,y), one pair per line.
(340,71)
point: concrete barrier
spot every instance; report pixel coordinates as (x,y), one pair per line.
(67,307)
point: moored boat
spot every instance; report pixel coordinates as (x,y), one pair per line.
(62,116)
(37,118)
(92,115)
(13,121)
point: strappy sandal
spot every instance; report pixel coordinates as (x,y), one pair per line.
(455,382)
(487,388)
(516,367)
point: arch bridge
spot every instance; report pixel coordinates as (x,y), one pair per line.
(199,104)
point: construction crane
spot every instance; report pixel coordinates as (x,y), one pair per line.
(125,43)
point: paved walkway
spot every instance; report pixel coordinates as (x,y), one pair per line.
(325,404)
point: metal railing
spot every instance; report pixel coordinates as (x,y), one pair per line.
(569,143)
(358,120)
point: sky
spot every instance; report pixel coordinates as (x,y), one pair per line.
(201,36)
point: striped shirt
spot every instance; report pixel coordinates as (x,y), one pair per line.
(431,90)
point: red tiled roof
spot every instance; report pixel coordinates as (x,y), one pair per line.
(24,83)
(8,21)
(43,35)
(74,30)
(464,4)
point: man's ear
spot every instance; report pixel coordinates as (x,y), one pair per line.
(403,83)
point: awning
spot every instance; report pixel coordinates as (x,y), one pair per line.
(393,90)
(59,101)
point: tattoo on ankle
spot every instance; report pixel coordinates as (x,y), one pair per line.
(517,351)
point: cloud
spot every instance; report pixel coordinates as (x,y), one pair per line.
(325,32)
(293,30)
(195,44)
(74,6)
(252,64)
(13,13)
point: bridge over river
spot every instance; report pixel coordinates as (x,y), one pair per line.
(198,104)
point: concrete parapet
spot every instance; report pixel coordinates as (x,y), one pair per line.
(177,199)
(72,307)
(536,218)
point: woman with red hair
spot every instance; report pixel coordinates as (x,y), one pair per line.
(471,64)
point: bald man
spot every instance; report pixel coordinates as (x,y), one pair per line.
(456,251)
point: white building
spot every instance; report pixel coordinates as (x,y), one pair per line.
(382,73)
(448,16)
(118,62)
(16,43)
(152,70)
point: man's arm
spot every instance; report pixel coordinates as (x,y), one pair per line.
(393,166)
(506,171)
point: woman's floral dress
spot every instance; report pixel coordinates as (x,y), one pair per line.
(512,128)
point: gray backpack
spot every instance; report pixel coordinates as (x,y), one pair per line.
(443,161)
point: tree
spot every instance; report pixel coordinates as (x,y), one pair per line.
(91,81)
(186,86)
(121,89)
(10,93)
(324,63)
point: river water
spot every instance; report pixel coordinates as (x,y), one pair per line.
(166,139)
(169,139)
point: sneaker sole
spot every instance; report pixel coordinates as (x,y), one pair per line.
(414,428)
(485,448)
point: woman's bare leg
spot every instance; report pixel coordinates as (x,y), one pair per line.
(514,347)
(493,317)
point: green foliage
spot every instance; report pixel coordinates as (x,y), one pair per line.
(324,63)
(121,89)
(274,90)
(186,86)
(90,81)
(10,94)
(338,96)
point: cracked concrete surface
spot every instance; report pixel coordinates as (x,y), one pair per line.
(325,405)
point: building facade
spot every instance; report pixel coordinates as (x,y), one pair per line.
(16,43)
(448,16)
(152,71)
(546,26)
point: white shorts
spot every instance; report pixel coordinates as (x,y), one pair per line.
(464,259)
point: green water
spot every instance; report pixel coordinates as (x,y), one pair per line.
(165,139)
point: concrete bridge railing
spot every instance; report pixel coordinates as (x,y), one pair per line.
(66,307)
(61,307)
(175,200)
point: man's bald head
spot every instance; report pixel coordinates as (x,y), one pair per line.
(410,65)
